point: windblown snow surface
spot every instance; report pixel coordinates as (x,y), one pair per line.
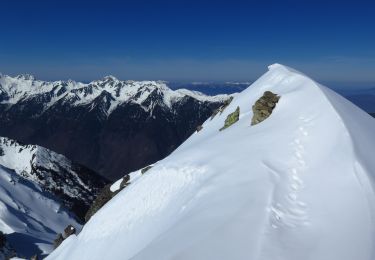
(299,185)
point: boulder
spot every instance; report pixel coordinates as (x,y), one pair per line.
(264,106)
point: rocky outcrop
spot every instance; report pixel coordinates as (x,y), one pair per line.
(264,106)
(222,108)
(231,119)
(146,169)
(104,196)
(68,231)
(108,193)
(58,240)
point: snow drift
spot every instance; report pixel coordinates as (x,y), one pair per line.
(298,185)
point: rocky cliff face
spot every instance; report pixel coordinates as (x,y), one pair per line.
(111,126)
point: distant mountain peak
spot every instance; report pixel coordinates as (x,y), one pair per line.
(24,87)
(110,78)
(25,77)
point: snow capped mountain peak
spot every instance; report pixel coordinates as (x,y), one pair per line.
(110,78)
(298,185)
(25,88)
(25,77)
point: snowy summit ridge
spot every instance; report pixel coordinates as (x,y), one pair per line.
(298,185)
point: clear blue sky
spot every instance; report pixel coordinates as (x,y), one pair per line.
(187,40)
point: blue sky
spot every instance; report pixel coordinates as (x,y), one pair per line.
(188,40)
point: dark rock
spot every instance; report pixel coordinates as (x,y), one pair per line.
(231,119)
(58,240)
(6,250)
(264,106)
(2,239)
(69,230)
(106,195)
(146,169)
(222,108)
(199,128)
(124,182)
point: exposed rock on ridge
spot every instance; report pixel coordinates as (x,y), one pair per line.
(263,107)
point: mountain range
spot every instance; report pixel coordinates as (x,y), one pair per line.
(108,125)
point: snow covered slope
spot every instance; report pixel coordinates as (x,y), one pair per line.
(298,185)
(30,217)
(75,185)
